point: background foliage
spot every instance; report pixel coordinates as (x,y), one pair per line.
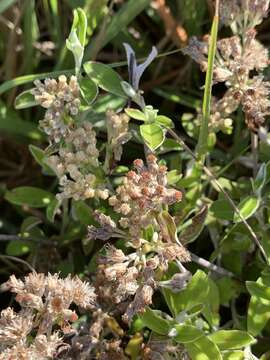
(36,231)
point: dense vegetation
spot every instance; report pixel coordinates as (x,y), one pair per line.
(135,179)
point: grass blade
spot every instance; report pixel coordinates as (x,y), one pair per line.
(120,20)
(30,29)
(202,143)
(21,80)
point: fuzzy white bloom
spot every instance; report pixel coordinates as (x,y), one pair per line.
(61,99)
(45,305)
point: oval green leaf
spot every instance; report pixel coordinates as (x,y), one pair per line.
(88,89)
(83,213)
(40,157)
(28,195)
(52,209)
(25,100)
(135,114)
(153,135)
(17,248)
(203,349)
(231,339)
(247,208)
(258,290)
(233,355)
(154,321)
(165,121)
(187,333)
(104,77)
(258,315)
(222,209)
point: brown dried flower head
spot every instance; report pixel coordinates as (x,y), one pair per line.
(143,191)
(45,302)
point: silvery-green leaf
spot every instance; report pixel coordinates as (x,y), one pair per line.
(141,68)
(136,71)
(74,45)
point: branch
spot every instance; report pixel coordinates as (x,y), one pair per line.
(200,261)
(213,178)
(173,29)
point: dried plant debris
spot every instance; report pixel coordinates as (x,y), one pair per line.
(240,62)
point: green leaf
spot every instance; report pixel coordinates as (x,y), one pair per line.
(18,248)
(247,208)
(203,349)
(155,322)
(260,179)
(52,209)
(135,114)
(197,290)
(187,333)
(11,123)
(211,308)
(88,89)
(167,224)
(73,44)
(28,195)
(190,125)
(76,40)
(228,289)
(38,154)
(169,145)
(231,339)
(83,213)
(173,176)
(196,293)
(233,355)
(80,24)
(153,135)
(29,223)
(129,91)
(40,157)
(25,100)
(192,231)
(165,121)
(25,79)
(221,209)
(258,315)
(134,346)
(258,290)
(150,113)
(104,77)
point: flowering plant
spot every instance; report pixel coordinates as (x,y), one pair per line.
(136,286)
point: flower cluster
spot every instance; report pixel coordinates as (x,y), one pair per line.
(75,158)
(238,58)
(142,193)
(34,331)
(117,132)
(75,163)
(243,14)
(61,99)
(129,280)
